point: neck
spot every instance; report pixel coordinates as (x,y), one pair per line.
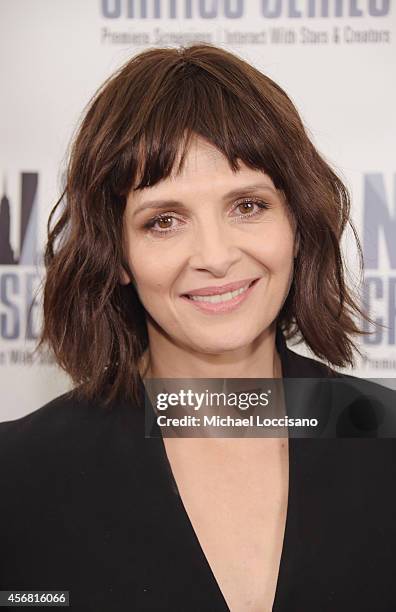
(165,359)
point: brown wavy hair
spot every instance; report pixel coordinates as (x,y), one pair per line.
(131,135)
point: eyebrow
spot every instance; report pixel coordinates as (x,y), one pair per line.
(176,204)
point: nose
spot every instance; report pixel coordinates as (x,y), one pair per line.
(213,248)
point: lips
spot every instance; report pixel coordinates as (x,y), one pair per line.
(220,290)
(221,300)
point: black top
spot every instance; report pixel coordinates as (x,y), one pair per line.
(89,505)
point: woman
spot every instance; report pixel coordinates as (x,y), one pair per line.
(199,226)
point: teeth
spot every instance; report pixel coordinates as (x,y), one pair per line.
(222,297)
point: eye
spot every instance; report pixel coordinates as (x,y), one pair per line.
(167,223)
(162,224)
(250,207)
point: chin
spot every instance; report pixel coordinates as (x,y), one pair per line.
(215,346)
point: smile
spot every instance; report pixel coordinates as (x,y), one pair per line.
(222,297)
(216,302)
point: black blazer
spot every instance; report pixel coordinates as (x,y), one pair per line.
(89,505)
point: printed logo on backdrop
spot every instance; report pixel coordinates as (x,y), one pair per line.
(245,22)
(379,250)
(18,271)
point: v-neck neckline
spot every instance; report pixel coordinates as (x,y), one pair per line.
(293,463)
(287,537)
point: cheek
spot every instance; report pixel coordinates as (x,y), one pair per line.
(275,252)
(156,263)
(152,274)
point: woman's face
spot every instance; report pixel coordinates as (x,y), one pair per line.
(211,252)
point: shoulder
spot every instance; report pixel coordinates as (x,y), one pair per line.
(66,430)
(348,406)
(299,366)
(35,441)
(65,453)
(55,418)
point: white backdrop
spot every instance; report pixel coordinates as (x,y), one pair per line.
(335,58)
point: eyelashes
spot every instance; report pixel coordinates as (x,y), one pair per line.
(251,208)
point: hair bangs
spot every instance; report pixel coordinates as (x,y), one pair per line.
(196,103)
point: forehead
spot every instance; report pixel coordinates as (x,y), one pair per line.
(201,153)
(204,166)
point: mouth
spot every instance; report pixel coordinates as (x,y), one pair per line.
(224,301)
